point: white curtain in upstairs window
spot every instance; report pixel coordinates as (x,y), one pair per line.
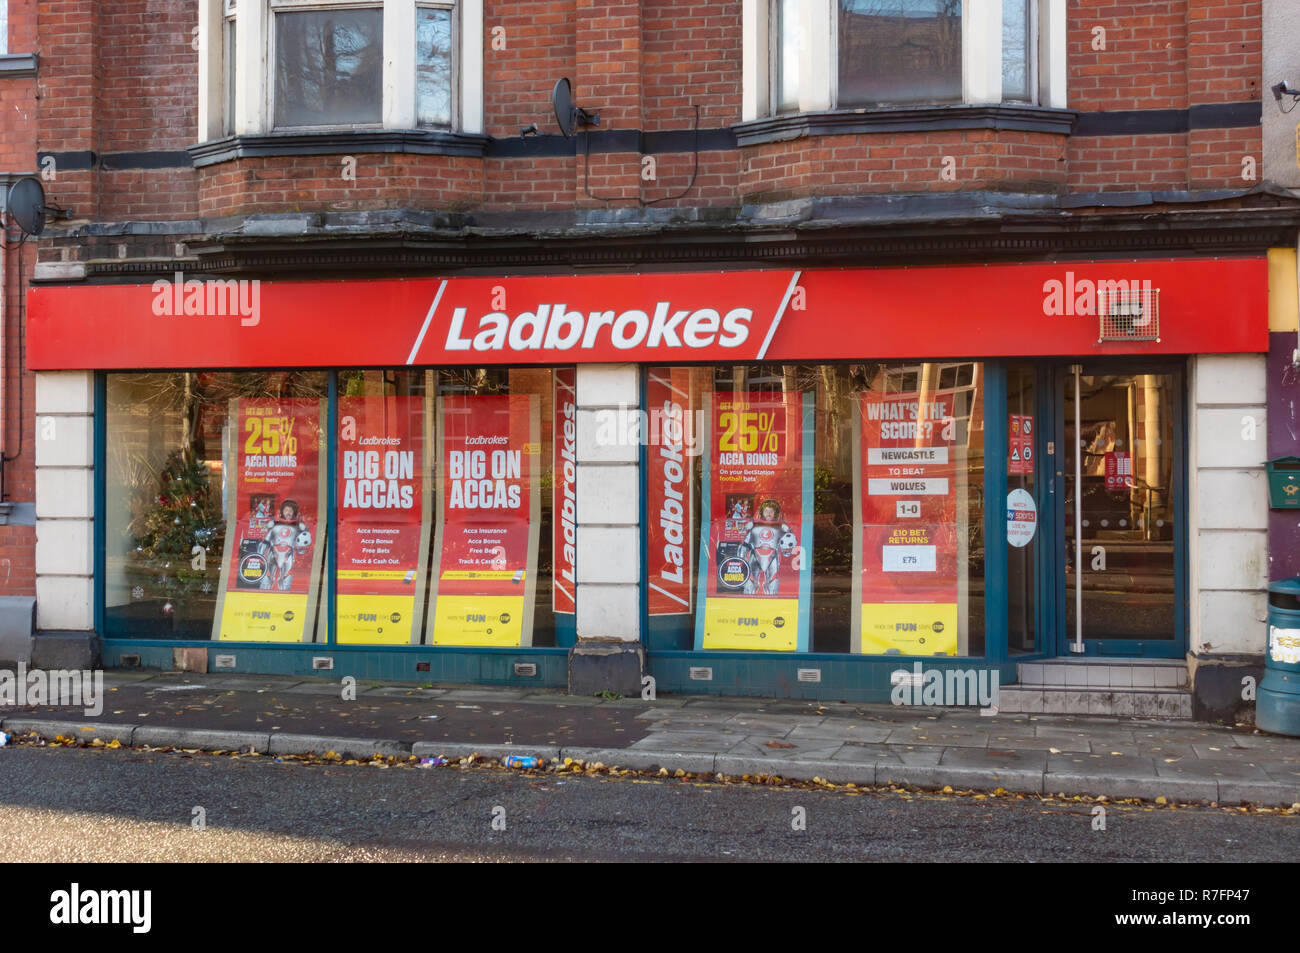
(4,27)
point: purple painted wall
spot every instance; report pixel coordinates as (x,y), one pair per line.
(1283,440)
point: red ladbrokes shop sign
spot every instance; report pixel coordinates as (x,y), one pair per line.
(1206,306)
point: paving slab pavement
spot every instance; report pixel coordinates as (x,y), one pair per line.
(839,742)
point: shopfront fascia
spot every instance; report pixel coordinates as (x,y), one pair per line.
(785,471)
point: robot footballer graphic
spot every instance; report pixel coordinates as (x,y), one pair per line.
(767,539)
(287,538)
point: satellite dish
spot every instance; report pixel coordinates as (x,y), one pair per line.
(568,115)
(26,203)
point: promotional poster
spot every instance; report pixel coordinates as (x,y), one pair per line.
(755,551)
(670,504)
(383,519)
(488,527)
(564,490)
(270,577)
(908,525)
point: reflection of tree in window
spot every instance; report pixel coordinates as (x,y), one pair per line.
(329,67)
(895,51)
(433,67)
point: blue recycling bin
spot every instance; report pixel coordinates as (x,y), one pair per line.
(1278,707)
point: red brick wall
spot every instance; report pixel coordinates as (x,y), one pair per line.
(1161,55)
(317,183)
(18,107)
(122,77)
(903,162)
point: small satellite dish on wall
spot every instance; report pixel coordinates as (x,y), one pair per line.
(26,203)
(568,115)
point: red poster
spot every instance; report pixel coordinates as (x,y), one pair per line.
(757,524)
(273,546)
(669,491)
(564,482)
(486,541)
(382,520)
(1119,471)
(909,531)
(1020,449)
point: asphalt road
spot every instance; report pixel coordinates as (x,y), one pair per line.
(76,805)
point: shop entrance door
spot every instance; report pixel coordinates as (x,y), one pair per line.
(1119,471)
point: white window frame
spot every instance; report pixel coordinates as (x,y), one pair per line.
(819,64)
(254,108)
(4,27)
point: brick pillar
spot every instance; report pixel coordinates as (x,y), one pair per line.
(608,81)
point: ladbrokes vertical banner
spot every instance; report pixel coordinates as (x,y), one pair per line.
(669,495)
(756,546)
(564,500)
(383,519)
(907,524)
(488,463)
(270,579)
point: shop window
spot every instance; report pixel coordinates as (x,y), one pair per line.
(817,508)
(447,491)
(215,517)
(447,508)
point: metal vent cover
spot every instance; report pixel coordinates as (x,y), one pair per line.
(1128,314)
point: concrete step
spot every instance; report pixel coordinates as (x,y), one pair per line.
(1116,703)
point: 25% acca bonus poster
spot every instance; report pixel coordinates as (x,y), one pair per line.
(756,549)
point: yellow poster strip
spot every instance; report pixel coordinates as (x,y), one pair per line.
(747,624)
(478,620)
(909,628)
(374,620)
(256,616)
(502,575)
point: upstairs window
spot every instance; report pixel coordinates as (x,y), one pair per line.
(316,65)
(863,54)
(329,66)
(899,51)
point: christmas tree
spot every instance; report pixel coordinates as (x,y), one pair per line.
(185,514)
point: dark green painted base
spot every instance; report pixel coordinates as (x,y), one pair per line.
(469,666)
(843,678)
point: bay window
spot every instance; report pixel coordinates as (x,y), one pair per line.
(820,55)
(304,66)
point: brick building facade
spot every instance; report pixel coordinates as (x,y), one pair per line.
(1071,137)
